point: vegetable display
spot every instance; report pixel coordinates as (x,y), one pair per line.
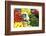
(26,17)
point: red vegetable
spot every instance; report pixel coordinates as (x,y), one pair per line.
(35,12)
(17,16)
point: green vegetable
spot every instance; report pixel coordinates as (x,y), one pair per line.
(34,21)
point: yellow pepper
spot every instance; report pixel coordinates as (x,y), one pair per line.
(18,24)
(27,10)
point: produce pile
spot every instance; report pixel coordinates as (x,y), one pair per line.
(26,17)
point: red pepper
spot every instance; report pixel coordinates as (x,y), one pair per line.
(17,16)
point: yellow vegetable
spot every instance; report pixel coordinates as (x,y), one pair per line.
(18,24)
(27,10)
